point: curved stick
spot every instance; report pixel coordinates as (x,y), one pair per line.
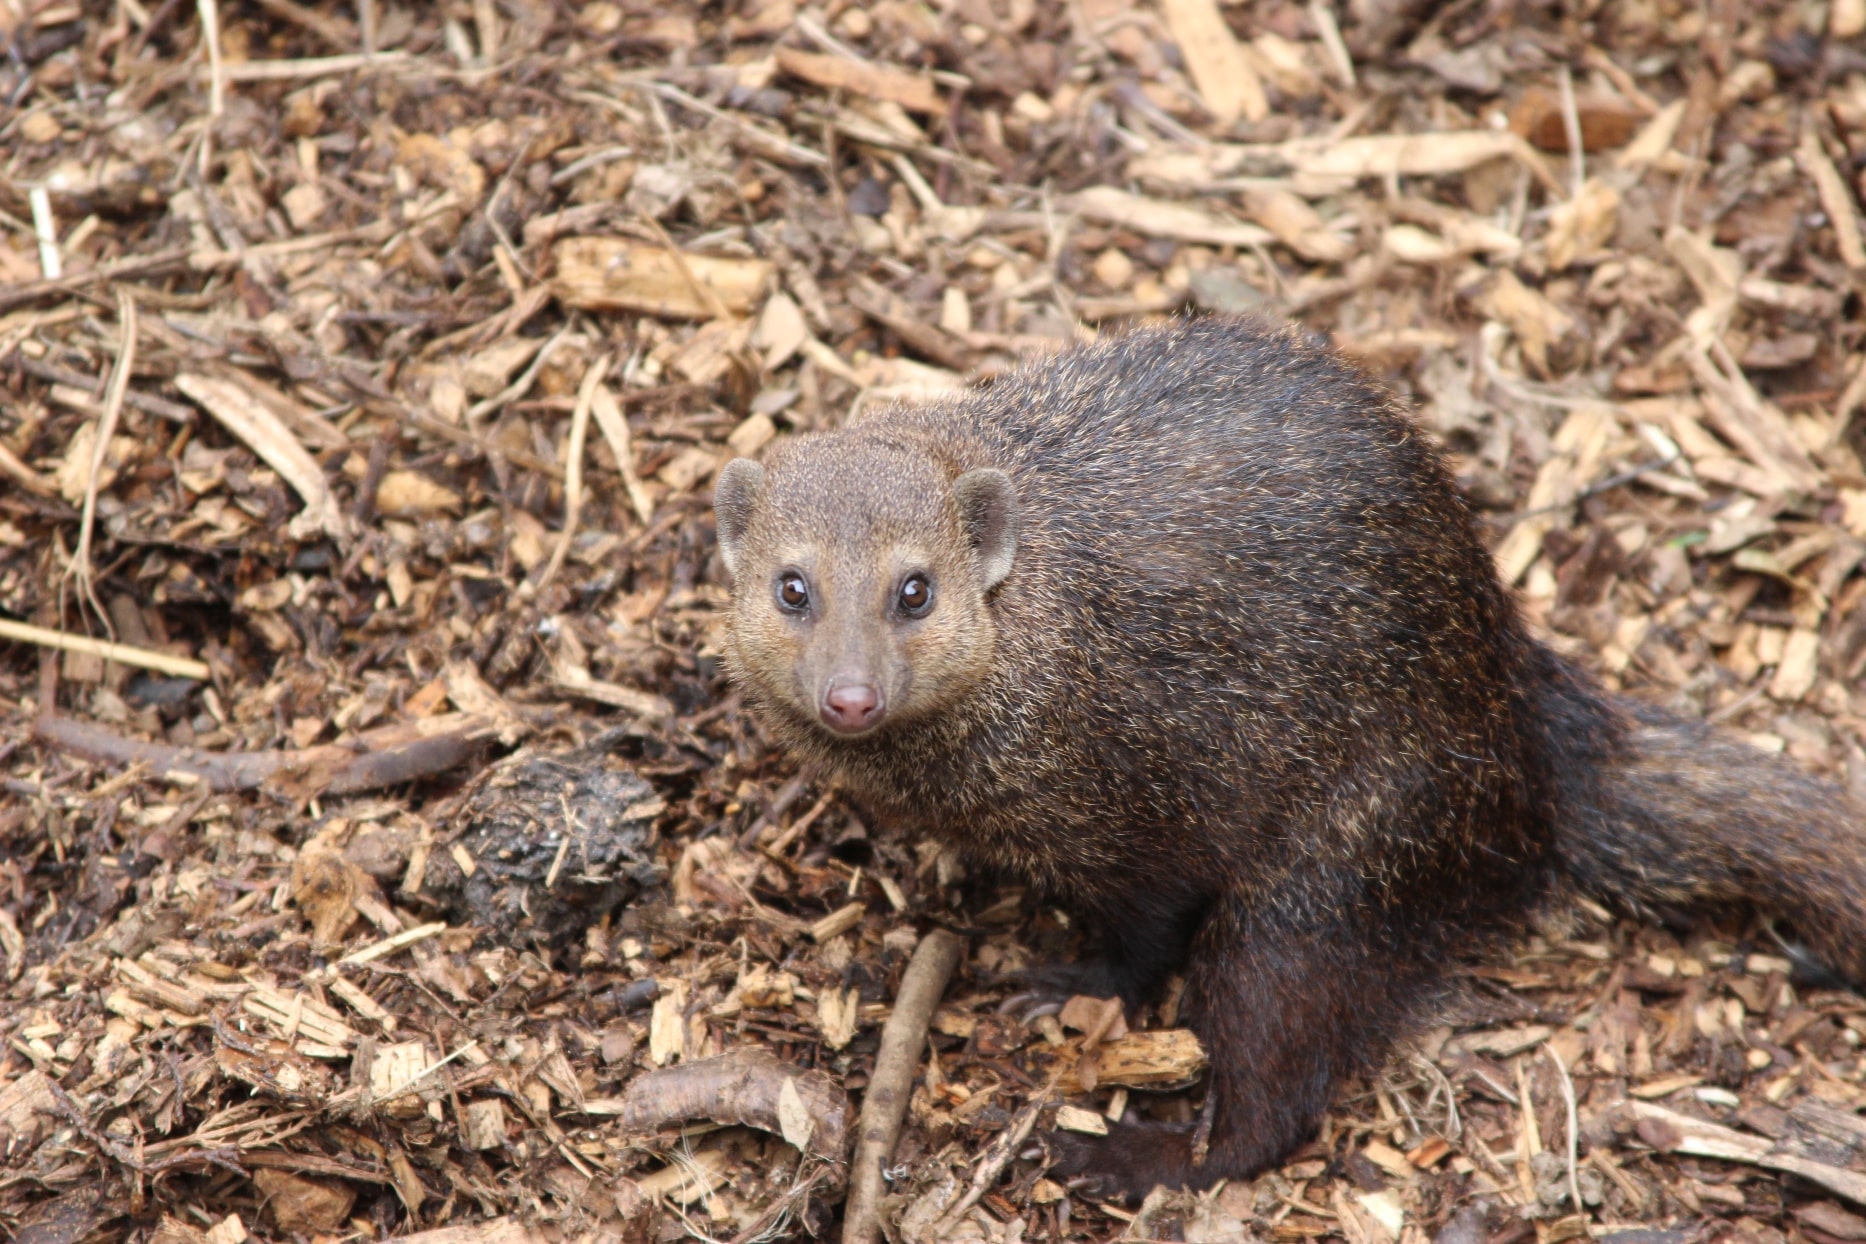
(892,1082)
(750,1086)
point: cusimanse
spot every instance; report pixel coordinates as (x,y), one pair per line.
(1192,630)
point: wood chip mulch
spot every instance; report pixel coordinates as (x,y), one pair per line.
(381,853)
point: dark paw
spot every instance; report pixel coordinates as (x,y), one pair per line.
(1042,991)
(1131,1160)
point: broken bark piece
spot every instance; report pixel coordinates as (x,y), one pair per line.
(1297,225)
(750,1086)
(1321,165)
(314,1029)
(1227,83)
(73,1216)
(866,78)
(610,274)
(482,1124)
(243,414)
(277,1071)
(26,1113)
(1810,1124)
(1155,1060)
(307,1205)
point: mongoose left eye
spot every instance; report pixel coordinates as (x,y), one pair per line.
(916,596)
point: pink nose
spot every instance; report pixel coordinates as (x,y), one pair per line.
(851,706)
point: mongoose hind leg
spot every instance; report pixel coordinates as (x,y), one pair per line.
(1285,1005)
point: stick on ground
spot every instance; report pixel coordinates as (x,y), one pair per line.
(386,756)
(122,654)
(888,1088)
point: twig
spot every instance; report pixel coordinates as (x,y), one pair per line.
(886,1102)
(775,146)
(1571,128)
(991,1163)
(45,231)
(122,654)
(573,468)
(1202,1131)
(217,72)
(148,403)
(1592,490)
(521,386)
(1604,1163)
(334,31)
(107,420)
(1323,19)
(137,265)
(376,758)
(614,427)
(157,20)
(1836,199)
(242,414)
(1574,1127)
(769,1225)
(1851,398)
(312,67)
(24,475)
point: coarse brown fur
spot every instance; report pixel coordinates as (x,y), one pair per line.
(1251,699)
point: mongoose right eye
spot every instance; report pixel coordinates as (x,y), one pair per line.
(793,593)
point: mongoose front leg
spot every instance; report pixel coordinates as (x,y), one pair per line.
(1137,947)
(1286,1001)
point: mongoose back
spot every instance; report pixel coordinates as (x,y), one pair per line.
(1192,630)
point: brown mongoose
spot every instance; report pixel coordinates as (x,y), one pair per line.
(1192,629)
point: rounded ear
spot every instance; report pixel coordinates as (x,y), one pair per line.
(988,508)
(734,493)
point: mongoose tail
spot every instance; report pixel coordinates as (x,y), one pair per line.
(1681,815)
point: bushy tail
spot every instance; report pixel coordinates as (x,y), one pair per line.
(1674,814)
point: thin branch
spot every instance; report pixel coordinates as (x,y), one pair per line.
(107,420)
(902,1038)
(573,468)
(122,654)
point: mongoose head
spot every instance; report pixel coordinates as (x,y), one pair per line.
(860,572)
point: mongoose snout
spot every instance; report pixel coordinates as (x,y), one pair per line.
(851,706)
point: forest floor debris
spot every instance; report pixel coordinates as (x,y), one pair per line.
(381,853)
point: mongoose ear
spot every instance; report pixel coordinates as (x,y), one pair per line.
(734,493)
(988,508)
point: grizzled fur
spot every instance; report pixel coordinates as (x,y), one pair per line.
(1250,699)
